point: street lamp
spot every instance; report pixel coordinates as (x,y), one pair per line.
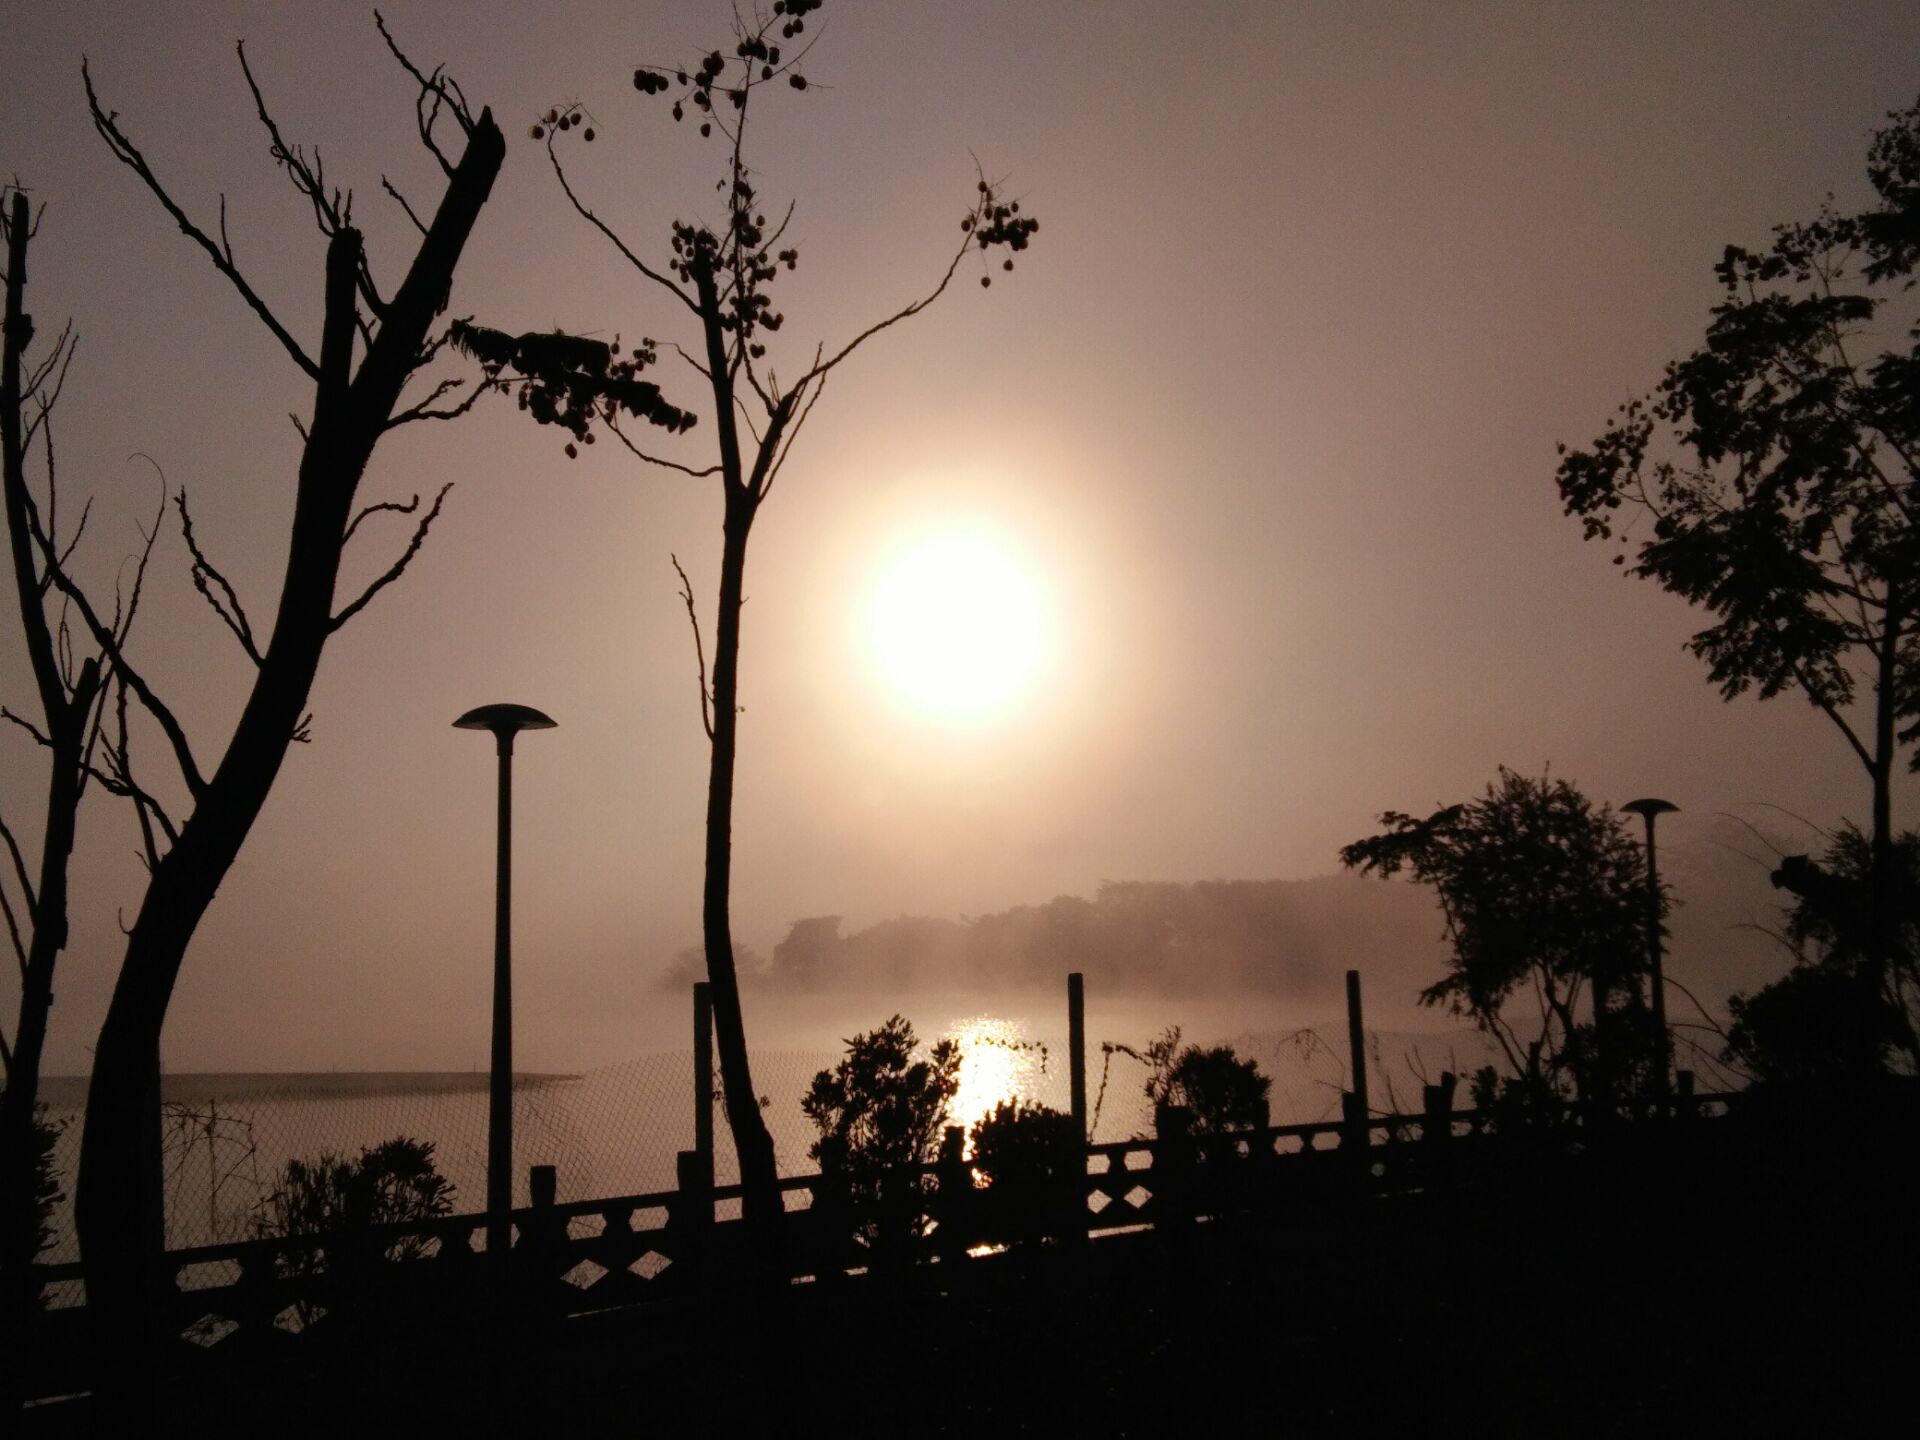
(1651,810)
(505,721)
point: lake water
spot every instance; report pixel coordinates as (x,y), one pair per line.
(615,1129)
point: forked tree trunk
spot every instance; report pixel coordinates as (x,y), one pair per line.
(120,1204)
(761,1207)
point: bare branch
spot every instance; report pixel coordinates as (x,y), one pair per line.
(907,312)
(436,90)
(618,244)
(13,847)
(124,150)
(793,433)
(425,411)
(399,566)
(699,650)
(664,464)
(401,201)
(395,507)
(109,639)
(204,572)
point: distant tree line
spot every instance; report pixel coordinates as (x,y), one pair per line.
(1292,937)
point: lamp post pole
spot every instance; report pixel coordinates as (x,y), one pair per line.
(505,721)
(1651,810)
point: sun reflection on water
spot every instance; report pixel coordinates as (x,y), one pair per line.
(997,1063)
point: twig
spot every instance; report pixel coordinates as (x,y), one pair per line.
(398,567)
(124,150)
(699,650)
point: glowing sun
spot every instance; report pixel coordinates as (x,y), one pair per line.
(958,626)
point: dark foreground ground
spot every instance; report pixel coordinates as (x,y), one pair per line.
(1773,1290)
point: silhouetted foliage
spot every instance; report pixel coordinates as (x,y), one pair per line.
(720,274)
(1543,895)
(1032,1163)
(1837,1020)
(880,1112)
(568,380)
(1220,1090)
(44,1192)
(386,1184)
(1778,465)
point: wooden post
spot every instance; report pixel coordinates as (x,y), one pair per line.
(541,1240)
(1172,1167)
(543,1183)
(1437,1109)
(1353,1104)
(1356,1042)
(1077,1053)
(703,1079)
(691,1212)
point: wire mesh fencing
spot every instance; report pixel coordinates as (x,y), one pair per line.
(226,1140)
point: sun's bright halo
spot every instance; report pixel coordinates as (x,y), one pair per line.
(958,625)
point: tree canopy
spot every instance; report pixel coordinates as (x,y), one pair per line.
(1777,464)
(1544,897)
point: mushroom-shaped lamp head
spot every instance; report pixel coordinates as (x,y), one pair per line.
(1649,808)
(505,721)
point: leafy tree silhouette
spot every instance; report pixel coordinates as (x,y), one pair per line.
(1836,1021)
(120,1194)
(1542,894)
(342,1200)
(880,1112)
(1777,464)
(722,277)
(1033,1166)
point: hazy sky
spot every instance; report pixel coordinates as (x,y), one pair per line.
(1266,418)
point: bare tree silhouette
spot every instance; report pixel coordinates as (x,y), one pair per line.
(721,279)
(72,693)
(355,405)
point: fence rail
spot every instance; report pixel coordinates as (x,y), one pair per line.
(265,1300)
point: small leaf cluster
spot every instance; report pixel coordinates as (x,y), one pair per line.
(760,61)
(571,380)
(998,223)
(562,118)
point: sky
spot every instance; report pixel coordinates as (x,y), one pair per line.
(1263,424)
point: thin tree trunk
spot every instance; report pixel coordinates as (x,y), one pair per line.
(65,717)
(758,1175)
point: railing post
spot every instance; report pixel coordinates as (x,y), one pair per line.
(540,1241)
(703,1078)
(690,1215)
(1173,1168)
(1436,1129)
(1683,1104)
